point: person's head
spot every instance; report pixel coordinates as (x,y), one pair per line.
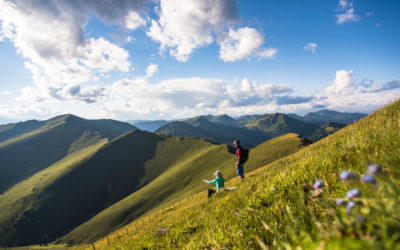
(218,173)
(236,143)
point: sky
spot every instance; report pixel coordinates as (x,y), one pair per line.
(171,59)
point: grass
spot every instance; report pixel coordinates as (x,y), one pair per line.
(278,124)
(177,168)
(28,153)
(25,197)
(277,207)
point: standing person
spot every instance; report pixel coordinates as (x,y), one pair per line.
(239,159)
(218,181)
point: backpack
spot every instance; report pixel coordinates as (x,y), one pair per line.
(245,155)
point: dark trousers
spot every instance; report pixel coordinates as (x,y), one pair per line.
(210,192)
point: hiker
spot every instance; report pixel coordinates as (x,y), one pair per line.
(239,159)
(218,181)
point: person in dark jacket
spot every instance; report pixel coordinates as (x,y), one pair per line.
(218,182)
(239,159)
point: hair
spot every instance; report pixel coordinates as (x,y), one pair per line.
(219,173)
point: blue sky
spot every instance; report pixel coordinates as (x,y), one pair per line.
(172,59)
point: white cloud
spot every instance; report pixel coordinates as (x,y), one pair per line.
(345,93)
(185,26)
(133,20)
(50,37)
(267,53)
(242,43)
(343,83)
(151,70)
(185,97)
(190,96)
(6,92)
(104,56)
(311,47)
(346,12)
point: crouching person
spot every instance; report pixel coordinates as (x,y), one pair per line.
(218,181)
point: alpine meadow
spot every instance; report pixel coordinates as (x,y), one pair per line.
(198,124)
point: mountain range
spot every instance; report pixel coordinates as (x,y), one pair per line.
(73,180)
(252,130)
(320,117)
(76,180)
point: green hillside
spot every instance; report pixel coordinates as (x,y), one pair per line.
(10,130)
(183,129)
(278,209)
(278,124)
(326,129)
(218,131)
(19,204)
(323,116)
(35,149)
(224,120)
(198,159)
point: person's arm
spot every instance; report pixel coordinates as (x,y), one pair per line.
(209,182)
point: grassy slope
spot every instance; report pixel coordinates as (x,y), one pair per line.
(326,129)
(182,178)
(23,155)
(217,131)
(323,116)
(10,130)
(278,209)
(25,197)
(224,133)
(88,186)
(278,124)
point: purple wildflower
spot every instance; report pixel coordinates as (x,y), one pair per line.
(353,193)
(340,202)
(345,175)
(368,178)
(350,207)
(374,168)
(318,184)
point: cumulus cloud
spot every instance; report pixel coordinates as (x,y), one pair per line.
(241,43)
(346,93)
(346,12)
(311,47)
(185,26)
(151,70)
(191,96)
(343,83)
(133,20)
(49,35)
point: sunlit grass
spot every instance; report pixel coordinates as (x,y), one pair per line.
(277,207)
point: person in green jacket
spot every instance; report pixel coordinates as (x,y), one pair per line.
(218,181)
